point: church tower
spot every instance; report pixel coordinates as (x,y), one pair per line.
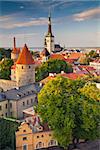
(25,68)
(15,52)
(49,38)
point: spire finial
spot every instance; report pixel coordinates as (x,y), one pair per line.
(14,42)
(49,12)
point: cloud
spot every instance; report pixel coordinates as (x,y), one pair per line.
(5,18)
(92,13)
(14,24)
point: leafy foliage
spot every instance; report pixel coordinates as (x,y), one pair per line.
(7,133)
(68,111)
(5,53)
(52,66)
(91,91)
(5,68)
(93,54)
(88,57)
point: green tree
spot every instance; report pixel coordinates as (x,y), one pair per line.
(5,53)
(52,66)
(93,54)
(91,91)
(5,68)
(64,106)
(7,133)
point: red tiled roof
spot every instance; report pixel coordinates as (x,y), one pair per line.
(69,60)
(97,60)
(57,56)
(72,76)
(25,57)
(75,55)
(89,68)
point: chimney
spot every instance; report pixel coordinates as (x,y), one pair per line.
(62,72)
(51,74)
(14,42)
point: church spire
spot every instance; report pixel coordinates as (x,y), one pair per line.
(14,42)
(49,24)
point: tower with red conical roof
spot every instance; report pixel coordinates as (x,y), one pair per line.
(25,68)
(49,38)
(15,51)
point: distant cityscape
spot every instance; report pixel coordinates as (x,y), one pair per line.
(50,95)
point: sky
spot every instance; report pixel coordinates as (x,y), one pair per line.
(74,23)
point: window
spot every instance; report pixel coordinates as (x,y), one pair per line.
(25,147)
(42,136)
(39,145)
(24,138)
(22,67)
(10,105)
(37,136)
(49,134)
(23,103)
(31,100)
(24,130)
(0,107)
(27,102)
(52,143)
(6,106)
(29,66)
(11,113)
(6,114)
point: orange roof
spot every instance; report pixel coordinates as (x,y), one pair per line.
(25,57)
(57,56)
(76,55)
(72,76)
(16,50)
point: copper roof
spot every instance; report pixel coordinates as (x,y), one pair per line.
(25,57)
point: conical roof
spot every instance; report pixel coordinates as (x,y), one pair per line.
(25,57)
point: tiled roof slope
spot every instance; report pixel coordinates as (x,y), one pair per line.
(25,57)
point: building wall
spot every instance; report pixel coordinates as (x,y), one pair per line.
(13,109)
(25,74)
(33,139)
(13,74)
(95,65)
(24,103)
(49,43)
(23,132)
(7,84)
(14,56)
(44,137)
(4,108)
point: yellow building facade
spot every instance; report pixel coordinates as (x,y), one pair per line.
(27,139)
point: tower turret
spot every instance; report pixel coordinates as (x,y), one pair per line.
(49,38)
(15,51)
(25,68)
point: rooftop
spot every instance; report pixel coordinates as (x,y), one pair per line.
(25,57)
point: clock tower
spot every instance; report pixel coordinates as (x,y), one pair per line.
(49,38)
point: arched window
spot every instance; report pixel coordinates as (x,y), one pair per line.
(39,145)
(52,143)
